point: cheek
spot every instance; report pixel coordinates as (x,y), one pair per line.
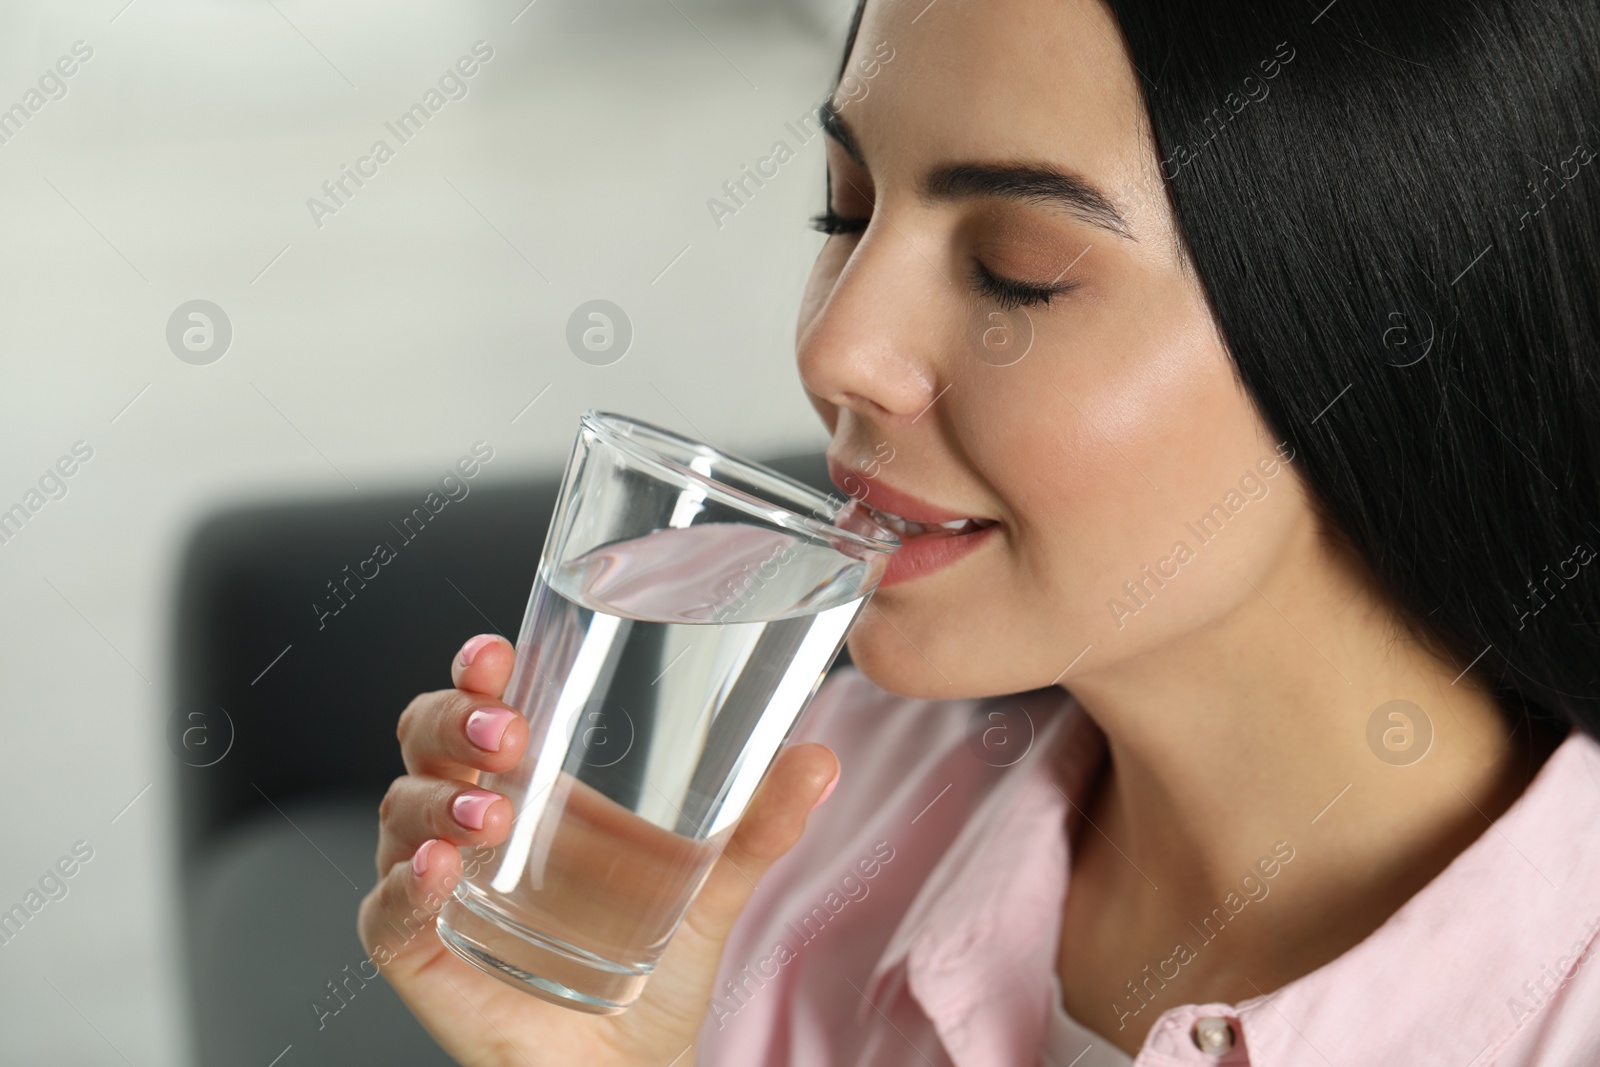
(1125,437)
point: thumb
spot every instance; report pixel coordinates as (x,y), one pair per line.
(484,665)
(796,783)
(799,779)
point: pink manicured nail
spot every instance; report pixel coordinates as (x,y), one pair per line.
(826,793)
(469,807)
(419,862)
(486,727)
(471,649)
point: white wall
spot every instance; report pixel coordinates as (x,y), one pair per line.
(375,350)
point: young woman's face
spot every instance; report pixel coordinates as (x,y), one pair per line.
(998,152)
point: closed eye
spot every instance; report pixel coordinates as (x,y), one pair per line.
(1013,294)
(1006,292)
(830,223)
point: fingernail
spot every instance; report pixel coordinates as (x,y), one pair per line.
(471,649)
(469,807)
(486,727)
(826,793)
(419,862)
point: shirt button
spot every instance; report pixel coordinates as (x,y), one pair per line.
(1212,1035)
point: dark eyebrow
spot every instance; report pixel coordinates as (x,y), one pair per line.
(1038,183)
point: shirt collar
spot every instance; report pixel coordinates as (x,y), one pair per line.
(1465,963)
(977,933)
(1458,969)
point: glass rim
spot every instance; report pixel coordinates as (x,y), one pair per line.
(604,425)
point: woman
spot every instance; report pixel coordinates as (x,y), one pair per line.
(1262,341)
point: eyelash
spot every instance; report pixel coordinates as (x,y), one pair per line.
(1012,294)
(1005,292)
(832,224)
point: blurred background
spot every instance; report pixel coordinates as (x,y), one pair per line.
(221,372)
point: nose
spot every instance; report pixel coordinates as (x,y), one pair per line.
(870,346)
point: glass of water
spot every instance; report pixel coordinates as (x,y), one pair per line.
(687,605)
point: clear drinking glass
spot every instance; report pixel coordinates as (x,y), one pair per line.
(687,605)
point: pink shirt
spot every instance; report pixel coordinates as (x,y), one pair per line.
(917,920)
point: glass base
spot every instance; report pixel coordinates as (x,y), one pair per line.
(533,963)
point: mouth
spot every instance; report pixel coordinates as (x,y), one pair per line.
(901,512)
(907,528)
(931,537)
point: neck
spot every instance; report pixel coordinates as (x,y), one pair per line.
(1258,730)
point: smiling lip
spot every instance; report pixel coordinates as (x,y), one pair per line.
(920,553)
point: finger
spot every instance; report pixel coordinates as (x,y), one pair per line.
(397,917)
(455,734)
(484,665)
(797,782)
(417,809)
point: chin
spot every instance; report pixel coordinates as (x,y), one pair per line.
(893,665)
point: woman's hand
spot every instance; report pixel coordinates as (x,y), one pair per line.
(447,738)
